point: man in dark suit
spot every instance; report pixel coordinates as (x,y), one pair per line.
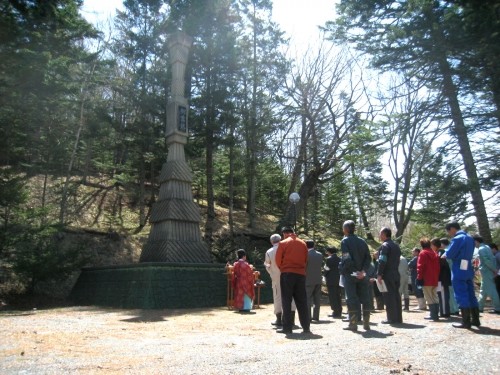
(354,266)
(388,263)
(332,276)
(313,279)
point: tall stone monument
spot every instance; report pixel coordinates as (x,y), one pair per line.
(175,235)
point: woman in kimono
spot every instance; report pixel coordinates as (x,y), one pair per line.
(243,283)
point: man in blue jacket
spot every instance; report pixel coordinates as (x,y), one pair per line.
(460,252)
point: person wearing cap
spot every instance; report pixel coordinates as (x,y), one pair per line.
(313,280)
(354,266)
(488,269)
(461,251)
(291,259)
(332,277)
(243,283)
(388,270)
(274,272)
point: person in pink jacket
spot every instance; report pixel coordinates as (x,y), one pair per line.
(428,276)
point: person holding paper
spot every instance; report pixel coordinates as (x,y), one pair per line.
(354,266)
(388,274)
(460,252)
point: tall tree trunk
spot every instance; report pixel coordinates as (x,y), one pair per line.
(231,184)
(496,102)
(64,196)
(209,166)
(44,195)
(81,124)
(253,142)
(361,206)
(291,211)
(450,92)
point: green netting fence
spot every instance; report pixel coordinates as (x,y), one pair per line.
(158,286)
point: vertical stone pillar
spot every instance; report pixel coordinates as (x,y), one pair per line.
(175,235)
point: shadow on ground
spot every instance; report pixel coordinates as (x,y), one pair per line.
(486,331)
(408,326)
(147,316)
(374,334)
(303,336)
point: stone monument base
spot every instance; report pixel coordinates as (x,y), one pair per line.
(157,286)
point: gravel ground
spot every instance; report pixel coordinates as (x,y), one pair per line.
(90,340)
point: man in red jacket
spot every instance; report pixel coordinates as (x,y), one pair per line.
(291,259)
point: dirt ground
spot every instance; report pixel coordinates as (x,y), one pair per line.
(91,340)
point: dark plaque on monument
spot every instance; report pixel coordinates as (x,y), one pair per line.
(182,120)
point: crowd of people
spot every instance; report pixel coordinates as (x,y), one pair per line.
(441,272)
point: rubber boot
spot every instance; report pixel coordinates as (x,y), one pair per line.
(434,310)
(279,321)
(465,312)
(366,320)
(353,322)
(407,304)
(474,317)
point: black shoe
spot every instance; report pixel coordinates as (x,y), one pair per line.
(351,327)
(279,321)
(285,331)
(387,322)
(306,331)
